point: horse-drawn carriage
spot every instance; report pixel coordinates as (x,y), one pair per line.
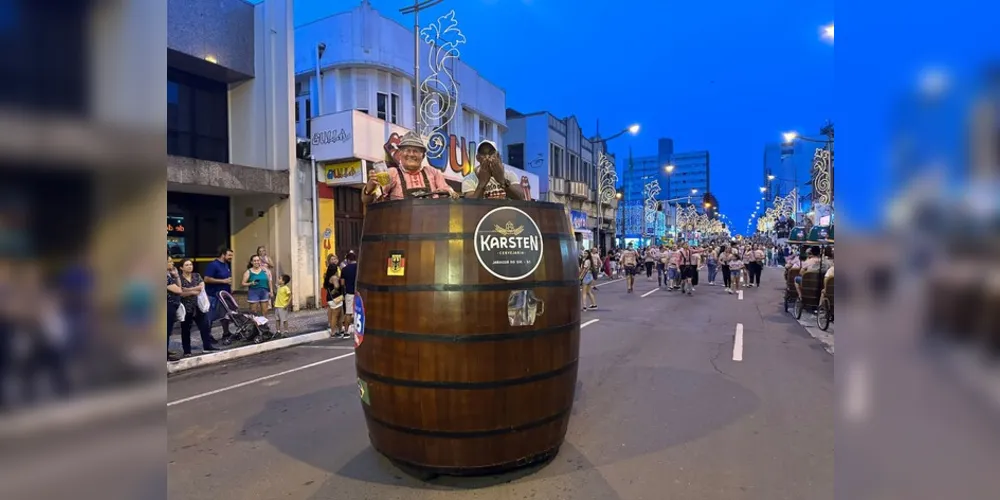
(812,291)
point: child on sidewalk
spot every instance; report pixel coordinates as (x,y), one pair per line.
(282,300)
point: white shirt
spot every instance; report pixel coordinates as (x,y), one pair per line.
(493,189)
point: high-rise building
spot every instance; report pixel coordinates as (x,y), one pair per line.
(679,177)
(690,175)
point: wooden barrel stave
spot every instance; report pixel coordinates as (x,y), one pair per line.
(429,407)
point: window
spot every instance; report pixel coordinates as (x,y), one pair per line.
(558,169)
(197,117)
(296,111)
(515,155)
(483,129)
(394,111)
(309,118)
(382,106)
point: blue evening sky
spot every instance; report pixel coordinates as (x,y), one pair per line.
(723,76)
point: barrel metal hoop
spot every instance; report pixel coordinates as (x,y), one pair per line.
(465,386)
(468,434)
(375,238)
(470,338)
(420,202)
(483,287)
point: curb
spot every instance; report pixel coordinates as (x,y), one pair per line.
(81,412)
(242,352)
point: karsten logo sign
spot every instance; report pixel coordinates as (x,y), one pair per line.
(508,243)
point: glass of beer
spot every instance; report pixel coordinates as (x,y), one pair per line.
(381,174)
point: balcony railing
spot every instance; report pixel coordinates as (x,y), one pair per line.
(579,190)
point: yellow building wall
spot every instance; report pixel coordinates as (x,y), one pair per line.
(327,234)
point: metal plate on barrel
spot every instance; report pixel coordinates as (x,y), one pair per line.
(508,243)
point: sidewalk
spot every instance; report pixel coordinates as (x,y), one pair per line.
(303,326)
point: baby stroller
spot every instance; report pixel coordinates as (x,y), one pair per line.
(249,328)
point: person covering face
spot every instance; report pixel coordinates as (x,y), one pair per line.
(490,179)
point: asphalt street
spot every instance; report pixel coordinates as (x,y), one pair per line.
(710,396)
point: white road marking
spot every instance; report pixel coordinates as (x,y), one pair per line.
(256,380)
(608,282)
(738,343)
(647,294)
(741,294)
(293,370)
(331,347)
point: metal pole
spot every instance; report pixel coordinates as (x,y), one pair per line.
(315,181)
(416,65)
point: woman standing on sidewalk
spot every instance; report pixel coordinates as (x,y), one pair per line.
(192,286)
(258,280)
(334,295)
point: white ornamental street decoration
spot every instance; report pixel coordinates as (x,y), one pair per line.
(822,177)
(652,190)
(689,219)
(782,207)
(439,91)
(607,178)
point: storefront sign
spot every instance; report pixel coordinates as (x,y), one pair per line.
(348,172)
(333,137)
(396,265)
(508,243)
(579,220)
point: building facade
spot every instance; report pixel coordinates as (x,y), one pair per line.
(363,98)
(230,137)
(565,162)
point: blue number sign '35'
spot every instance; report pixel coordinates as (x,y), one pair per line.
(359,320)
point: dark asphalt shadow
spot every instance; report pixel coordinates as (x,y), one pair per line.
(607,426)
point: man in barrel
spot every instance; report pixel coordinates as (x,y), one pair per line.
(412,180)
(490,179)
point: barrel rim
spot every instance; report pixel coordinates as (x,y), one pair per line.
(535,459)
(368,376)
(561,414)
(477,287)
(384,237)
(467,201)
(467,338)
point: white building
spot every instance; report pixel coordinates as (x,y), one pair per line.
(364,98)
(565,162)
(230,137)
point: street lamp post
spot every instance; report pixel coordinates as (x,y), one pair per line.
(415,9)
(605,163)
(825,160)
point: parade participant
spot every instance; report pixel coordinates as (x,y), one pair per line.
(651,256)
(630,260)
(490,179)
(413,179)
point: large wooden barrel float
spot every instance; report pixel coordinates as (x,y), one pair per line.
(467,363)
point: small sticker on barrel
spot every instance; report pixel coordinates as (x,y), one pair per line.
(359,320)
(396,265)
(363,392)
